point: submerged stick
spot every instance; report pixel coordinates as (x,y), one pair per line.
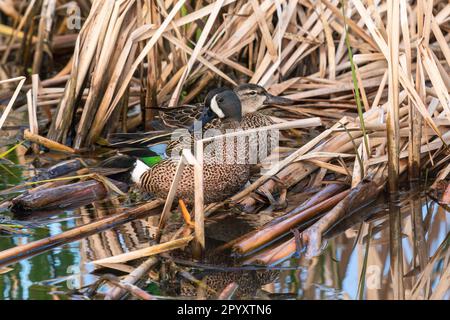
(126,286)
(18,253)
(132,278)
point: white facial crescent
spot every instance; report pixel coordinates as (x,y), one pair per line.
(215,107)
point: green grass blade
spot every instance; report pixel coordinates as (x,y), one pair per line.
(4,154)
(355,83)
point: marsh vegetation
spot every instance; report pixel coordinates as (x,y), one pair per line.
(356,207)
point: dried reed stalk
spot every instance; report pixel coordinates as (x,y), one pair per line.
(32,248)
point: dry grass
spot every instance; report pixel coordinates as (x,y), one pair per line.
(375,73)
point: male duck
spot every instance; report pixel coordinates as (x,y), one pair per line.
(220,179)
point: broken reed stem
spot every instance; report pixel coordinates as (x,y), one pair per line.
(199,216)
(325,193)
(32,109)
(228,292)
(393,144)
(13,98)
(45,142)
(170,198)
(149,251)
(272,256)
(44,34)
(126,286)
(132,278)
(360,196)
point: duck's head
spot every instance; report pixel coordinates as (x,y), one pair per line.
(224,105)
(254,97)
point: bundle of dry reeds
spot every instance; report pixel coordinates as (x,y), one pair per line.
(375,72)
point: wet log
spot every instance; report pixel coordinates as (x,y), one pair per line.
(272,232)
(64,196)
(18,253)
(41,184)
(363,194)
(58,170)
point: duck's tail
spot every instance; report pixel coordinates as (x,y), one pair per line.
(139,169)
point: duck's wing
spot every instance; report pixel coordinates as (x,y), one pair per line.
(121,140)
(178,117)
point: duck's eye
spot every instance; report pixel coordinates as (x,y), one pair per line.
(219,99)
(252,93)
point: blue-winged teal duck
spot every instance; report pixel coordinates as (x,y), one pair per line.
(221,179)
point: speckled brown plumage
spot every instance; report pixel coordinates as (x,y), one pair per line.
(219,180)
(226,165)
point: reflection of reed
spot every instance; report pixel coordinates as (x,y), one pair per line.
(421,289)
(124,238)
(418,233)
(417,261)
(396,250)
(309,289)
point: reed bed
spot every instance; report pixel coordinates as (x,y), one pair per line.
(373,77)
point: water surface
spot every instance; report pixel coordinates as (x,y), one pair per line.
(355,264)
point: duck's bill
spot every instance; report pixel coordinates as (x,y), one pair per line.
(271,100)
(205,117)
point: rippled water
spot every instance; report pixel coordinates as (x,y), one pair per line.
(335,274)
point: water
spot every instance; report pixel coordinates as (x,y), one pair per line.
(355,263)
(66,267)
